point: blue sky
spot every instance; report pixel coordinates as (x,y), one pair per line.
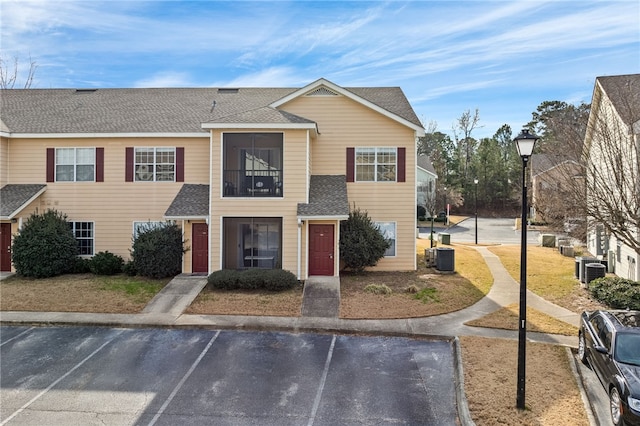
(502,57)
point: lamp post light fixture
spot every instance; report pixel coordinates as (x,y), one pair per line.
(525,142)
(476,182)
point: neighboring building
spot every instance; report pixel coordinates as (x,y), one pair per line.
(426,181)
(612,146)
(255,177)
(553,186)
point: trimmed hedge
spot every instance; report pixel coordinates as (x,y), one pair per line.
(106,263)
(618,293)
(252,279)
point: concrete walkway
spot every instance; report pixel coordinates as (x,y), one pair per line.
(321,297)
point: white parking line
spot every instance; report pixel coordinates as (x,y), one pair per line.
(184,379)
(15,337)
(48,388)
(327,363)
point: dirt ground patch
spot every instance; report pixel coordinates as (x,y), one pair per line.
(219,302)
(490,374)
(79,293)
(413,294)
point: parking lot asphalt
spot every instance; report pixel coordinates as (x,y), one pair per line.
(99,375)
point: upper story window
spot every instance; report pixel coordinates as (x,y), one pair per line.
(155,164)
(376,164)
(252,165)
(75,164)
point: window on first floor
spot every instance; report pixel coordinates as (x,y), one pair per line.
(252,243)
(388,231)
(83,232)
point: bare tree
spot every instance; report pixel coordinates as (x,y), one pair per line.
(465,144)
(9,73)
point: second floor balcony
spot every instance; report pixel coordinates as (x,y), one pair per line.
(255,183)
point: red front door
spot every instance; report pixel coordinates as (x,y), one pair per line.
(200,249)
(5,247)
(321,250)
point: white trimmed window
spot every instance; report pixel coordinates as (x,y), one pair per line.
(83,231)
(376,164)
(388,231)
(75,164)
(155,164)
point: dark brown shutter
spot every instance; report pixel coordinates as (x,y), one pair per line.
(128,164)
(51,164)
(402,164)
(179,164)
(99,164)
(351,160)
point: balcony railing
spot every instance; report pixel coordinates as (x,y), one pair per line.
(252,183)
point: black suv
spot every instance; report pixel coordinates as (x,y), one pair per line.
(609,341)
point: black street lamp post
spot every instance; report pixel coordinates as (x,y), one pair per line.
(525,142)
(476,182)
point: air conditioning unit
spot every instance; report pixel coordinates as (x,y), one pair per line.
(144,173)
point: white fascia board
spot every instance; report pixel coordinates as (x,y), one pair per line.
(338,217)
(103,135)
(257,126)
(204,217)
(25,204)
(323,82)
(435,176)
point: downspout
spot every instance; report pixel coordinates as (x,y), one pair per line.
(299,248)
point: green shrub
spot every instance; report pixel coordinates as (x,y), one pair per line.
(361,243)
(157,251)
(106,263)
(615,292)
(129,268)
(252,279)
(279,279)
(45,246)
(81,265)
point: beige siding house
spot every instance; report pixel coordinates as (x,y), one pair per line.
(255,177)
(612,152)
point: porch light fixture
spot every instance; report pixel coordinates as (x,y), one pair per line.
(525,142)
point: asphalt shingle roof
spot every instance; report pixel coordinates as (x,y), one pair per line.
(191,201)
(624,93)
(327,197)
(13,197)
(162,110)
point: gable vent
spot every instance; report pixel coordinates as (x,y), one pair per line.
(322,91)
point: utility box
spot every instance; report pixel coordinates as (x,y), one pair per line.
(445,238)
(548,240)
(445,259)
